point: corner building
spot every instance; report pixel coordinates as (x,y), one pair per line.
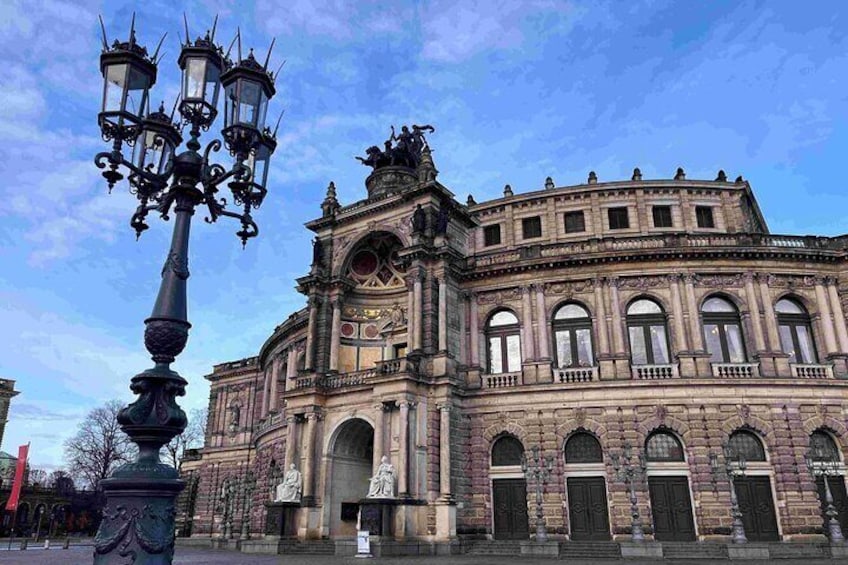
(454,338)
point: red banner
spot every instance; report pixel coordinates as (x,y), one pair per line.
(12,504)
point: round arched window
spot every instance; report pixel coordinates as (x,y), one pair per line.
(504,341)
(723,331)
(796,336)
(646,325)
(822,447)
(743,443)
(507,450)
(583,447)
(573,336)
(663,446)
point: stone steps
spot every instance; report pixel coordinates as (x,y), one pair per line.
(798,551)
(694,550)
(494,547)
(312,547)
(589,550)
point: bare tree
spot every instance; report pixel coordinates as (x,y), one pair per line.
(99,446)
(192,437)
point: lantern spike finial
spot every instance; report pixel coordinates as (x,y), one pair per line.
(103,30)
(238,39)
(280,68)
(153,58)
(230,48)
(132,30)
(185,22)
(268,58)
(214,27)
(276,127)
(174,109)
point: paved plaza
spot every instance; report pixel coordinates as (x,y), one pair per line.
(82,555)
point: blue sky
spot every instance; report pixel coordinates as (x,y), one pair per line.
(517,91)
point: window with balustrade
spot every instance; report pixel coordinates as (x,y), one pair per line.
(572,329)
(647,328)
(507,450)
(796,336)
(663,446)
(723,331)
(503,336)
(746,444)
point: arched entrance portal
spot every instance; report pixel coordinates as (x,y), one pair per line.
(351,457)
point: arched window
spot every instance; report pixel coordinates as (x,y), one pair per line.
(573,336)
(822,447)
(796,337)
(646,325)
(502,334)
(663,446)
(743,443)
(583,447)
(723,331)
(507,451)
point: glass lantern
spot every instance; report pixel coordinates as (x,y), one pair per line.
(201,64)
(247,90)
(127,77)
(258,161)
(155,148)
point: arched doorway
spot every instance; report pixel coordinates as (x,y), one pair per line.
(586,487)
(350,465)
(753,489)
(509,489)
(668,486)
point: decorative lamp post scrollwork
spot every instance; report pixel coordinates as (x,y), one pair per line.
(538,470)
(629,473)
(734,466)
(822,463)
(140,497)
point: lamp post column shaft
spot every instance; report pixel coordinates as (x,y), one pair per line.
(833,526)
(738,526)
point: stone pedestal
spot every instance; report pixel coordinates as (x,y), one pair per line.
(377,516)
(280,519)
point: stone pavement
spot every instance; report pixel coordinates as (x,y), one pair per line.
(188,556)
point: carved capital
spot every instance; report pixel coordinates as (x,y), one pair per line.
(538,288)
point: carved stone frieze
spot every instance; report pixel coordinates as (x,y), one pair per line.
(569,288)
(791,281)
(641,283)
(499,296)
(720,280)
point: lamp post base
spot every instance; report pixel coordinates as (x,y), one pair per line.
(138,520)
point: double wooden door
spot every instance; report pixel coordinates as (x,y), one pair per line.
(587,508)
(840,500)
(509,499)
(757,507)
(671,507)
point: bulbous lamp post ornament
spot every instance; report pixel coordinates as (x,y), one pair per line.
(734,466)
(629,472)
(538,469)
(821,462)
(138,520)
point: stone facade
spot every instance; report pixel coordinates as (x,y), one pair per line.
(397,353)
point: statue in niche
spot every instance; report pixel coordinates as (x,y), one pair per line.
(291,488)
(442,220)
(419,220)
(382,485)
(235,417)
(317,252)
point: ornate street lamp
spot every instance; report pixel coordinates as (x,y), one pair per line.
(628,473)
(734,466)
(247,486)
(139,515)
(538,470)
(822,462)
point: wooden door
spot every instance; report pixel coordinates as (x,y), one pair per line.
(757,507)
(840,501)
(509,498)
(587,508)
(671,507)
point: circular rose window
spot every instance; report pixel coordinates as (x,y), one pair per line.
(364,263)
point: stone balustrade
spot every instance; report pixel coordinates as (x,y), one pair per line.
(811,371)
(576,374)
(650,372)
(736,370)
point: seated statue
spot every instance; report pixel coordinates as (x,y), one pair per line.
(382,485)
(290,489)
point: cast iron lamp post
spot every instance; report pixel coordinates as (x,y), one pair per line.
(538,470)
(734,466)
(138,520)
(821,463)
(628,473)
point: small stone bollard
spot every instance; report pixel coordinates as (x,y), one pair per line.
(24,543)
(67,543)
(47,544)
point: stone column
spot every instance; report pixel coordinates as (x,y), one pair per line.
(309,479)
(335,333)
(403,458)
(416,292)
(291,442)
(463,327)
(527,350)
(443,315)
(542,322)
(826,320)
(474,331)
(768,313)
(677,312)
(601,326)
(379,443)
(838,315)
(291,366)
(695,335)
(754,308)
(411,314)
(615,307)
(272,389)
(266,390)
(310,333)
(444,451)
